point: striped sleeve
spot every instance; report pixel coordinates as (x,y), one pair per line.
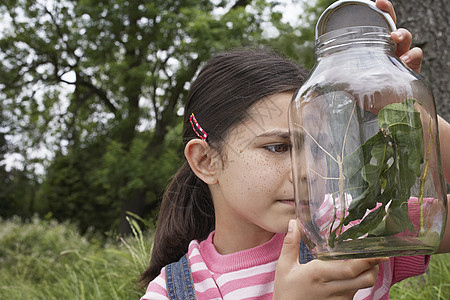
(157,289)
(409,266)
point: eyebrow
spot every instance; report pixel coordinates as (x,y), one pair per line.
(278,133)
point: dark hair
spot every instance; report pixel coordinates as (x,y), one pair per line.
(227,86)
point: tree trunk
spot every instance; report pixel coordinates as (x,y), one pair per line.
(428,21)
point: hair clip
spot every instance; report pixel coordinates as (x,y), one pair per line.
(202,134)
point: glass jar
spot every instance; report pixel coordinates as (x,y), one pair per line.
(365,151)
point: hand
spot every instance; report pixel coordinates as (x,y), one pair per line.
(402,37)
(320,279)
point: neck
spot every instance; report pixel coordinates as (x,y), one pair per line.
(231,241)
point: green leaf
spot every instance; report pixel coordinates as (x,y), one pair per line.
(400,113)
(367,224)
(355,162)
(381,172)
(396,221)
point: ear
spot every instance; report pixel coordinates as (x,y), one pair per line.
(200,158)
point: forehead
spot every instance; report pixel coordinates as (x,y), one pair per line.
(265,120)
(269,112)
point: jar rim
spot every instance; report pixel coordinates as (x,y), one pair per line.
(352,36)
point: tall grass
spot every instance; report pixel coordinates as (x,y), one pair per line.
(46,260)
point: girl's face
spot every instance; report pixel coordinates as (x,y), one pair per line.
(254,196)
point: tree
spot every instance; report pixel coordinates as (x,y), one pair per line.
(17,187)
(297,43)
(101,84)
(428,21)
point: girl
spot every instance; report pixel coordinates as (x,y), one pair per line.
(230,205)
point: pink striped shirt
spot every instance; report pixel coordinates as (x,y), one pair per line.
(250,274)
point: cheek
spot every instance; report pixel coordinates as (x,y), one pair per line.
(257,174)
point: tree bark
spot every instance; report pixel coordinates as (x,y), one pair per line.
(429,23)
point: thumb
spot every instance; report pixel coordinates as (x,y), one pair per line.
(291,246)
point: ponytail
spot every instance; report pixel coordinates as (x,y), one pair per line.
(186,213)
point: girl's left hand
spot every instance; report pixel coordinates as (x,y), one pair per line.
(403,38)
(337,280)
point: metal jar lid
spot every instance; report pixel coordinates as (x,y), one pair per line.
(348,13)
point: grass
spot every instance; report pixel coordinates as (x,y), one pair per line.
(47,260)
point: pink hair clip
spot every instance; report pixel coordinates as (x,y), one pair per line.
(202,134)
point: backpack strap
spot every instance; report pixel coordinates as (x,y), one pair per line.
(180,285)
(304,256)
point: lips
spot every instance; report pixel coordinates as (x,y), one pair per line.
(288,202)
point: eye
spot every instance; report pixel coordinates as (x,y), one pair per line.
(278,148)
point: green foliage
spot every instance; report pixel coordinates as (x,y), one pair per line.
(99,84)
(294,42)
(17,193)
(69,190)
(382,171)
(17,187)
(47,260)
(95,181)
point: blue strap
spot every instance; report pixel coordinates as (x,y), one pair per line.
(304,256)
(180,285)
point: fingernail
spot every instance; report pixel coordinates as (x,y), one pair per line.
(395,35)
(291,225)
(406,58)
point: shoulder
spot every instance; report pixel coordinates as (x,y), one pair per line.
(157,288)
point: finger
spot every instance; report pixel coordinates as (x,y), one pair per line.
(364,280)
(348,269)
(387,6)
(413,59)
(291,246)
(403,39)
